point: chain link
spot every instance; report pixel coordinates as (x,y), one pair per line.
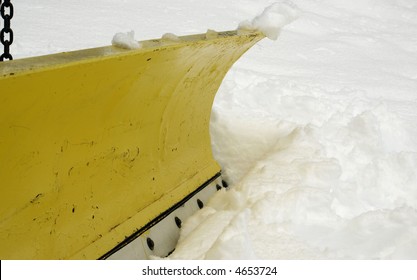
(6,12)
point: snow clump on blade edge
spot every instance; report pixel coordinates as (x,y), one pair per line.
(272,19)
(125,41)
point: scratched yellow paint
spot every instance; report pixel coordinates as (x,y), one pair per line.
(96,143)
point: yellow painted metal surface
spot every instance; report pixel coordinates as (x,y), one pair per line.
(96,143)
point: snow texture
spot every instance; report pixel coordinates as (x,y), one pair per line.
(272,19)
(171,37)
(316,132)
(125,40)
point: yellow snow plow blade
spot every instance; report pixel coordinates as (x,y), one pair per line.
(95,144)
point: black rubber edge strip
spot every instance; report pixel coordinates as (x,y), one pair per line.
(162,216)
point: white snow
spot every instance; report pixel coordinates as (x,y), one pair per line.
(315,131)
(125,40)
(272,19)
(170,37)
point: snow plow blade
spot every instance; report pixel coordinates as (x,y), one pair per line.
(98,145)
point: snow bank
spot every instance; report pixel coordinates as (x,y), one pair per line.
(272,19)
(125,40)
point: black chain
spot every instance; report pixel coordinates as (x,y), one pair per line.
(6,31)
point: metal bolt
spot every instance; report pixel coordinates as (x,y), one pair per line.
(225,184)
(150,243)
(178,222)
(200,204)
